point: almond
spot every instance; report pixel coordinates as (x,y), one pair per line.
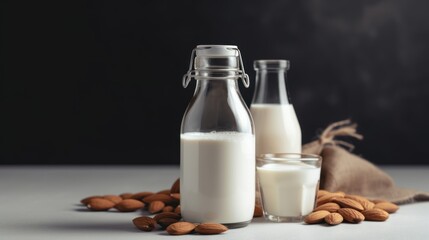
(175,196)
(375,214)
(387,206)
(375,201)
(330,207)
(258,211)
(126,195)
(166,215)
(129,205)
(180,228)
(165,222)
(177,210)
(321,193)
(316,217)
(141,195)
(175,188)
(348,203)
(156,206)
(210,228)
(113,198)
(334,219)
(351,215)
(366,204)
(167,199)
(100,204)
(168,209)
(357,198)
(85,201)
(146,224)
(165,191)
(328,197)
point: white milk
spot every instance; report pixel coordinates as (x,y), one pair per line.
(217,181)
(277,128)
(288,190)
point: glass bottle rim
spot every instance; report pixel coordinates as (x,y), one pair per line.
(275,64)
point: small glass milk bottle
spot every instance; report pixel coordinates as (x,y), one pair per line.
(217,142)
(276,124)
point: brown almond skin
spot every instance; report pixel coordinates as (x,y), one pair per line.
(387,206)
(175,188)
(167,215)
(85,201)
(167,199)
(168,209)
(113,198)
(129,205)
(334,219)
(165,222)
(375,214)
(357,198)
(146,224)
(366,204)
(165,191)
(175,196)
(141,195)
(316,217)
(100,204)
(177,210)
(126,195)
(180,228)
(349,203)
(351,215)
(328,197)
(156,206)
(210,228)
(321,193)
(330,207)
(258,212)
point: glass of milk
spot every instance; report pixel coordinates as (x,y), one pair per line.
(288,185)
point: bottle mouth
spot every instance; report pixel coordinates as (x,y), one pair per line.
(216,62)
(274,64)
(217,51)
(218,57)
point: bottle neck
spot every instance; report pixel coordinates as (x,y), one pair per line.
(217,105)
(271,87)
(216,88)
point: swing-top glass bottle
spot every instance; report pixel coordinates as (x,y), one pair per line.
(217,160)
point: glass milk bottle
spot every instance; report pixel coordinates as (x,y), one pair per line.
(217,141)
(276,125)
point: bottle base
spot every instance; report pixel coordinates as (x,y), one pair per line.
(279,219)
(237,225)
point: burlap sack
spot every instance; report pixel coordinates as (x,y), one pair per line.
(347,172)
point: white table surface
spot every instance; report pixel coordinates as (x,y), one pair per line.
(42,202)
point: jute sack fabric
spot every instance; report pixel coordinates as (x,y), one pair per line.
(344,171)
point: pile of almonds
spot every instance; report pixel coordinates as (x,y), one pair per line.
(164,205)
(331,207)
(335,207)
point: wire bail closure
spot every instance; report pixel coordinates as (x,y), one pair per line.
(240,71)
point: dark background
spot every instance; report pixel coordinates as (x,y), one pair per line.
(100,81)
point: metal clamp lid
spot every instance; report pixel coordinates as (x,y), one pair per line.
(216,51)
